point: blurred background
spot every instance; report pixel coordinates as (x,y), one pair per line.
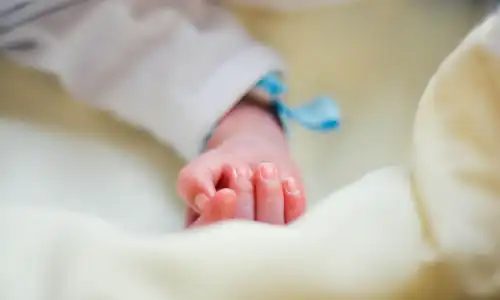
(374,56)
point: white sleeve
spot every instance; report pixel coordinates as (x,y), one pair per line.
(172,68)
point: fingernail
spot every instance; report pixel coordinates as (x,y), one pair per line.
(268,172)
(200,201)
(241,172)
(290,186)
(249,173)
(243,183)
(235,173)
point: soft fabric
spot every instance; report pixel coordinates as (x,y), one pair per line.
(155,64)
(424,232)
(457,159)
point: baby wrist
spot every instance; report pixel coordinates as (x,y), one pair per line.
(321,114)
(259,100)
(248,116)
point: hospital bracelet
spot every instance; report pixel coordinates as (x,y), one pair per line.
(321,114)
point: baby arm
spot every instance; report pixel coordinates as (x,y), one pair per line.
(160,67)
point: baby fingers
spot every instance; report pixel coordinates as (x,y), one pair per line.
(270,206)
(295,202)
(221,207)
(240,181)
(277,202)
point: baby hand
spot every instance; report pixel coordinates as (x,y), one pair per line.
(248,154)
(262,197)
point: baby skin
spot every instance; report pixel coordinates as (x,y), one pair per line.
(246,172)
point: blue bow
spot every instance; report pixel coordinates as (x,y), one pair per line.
(320,114)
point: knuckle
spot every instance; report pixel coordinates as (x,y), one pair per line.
(184,175)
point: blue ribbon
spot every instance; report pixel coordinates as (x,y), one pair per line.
(321,114)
